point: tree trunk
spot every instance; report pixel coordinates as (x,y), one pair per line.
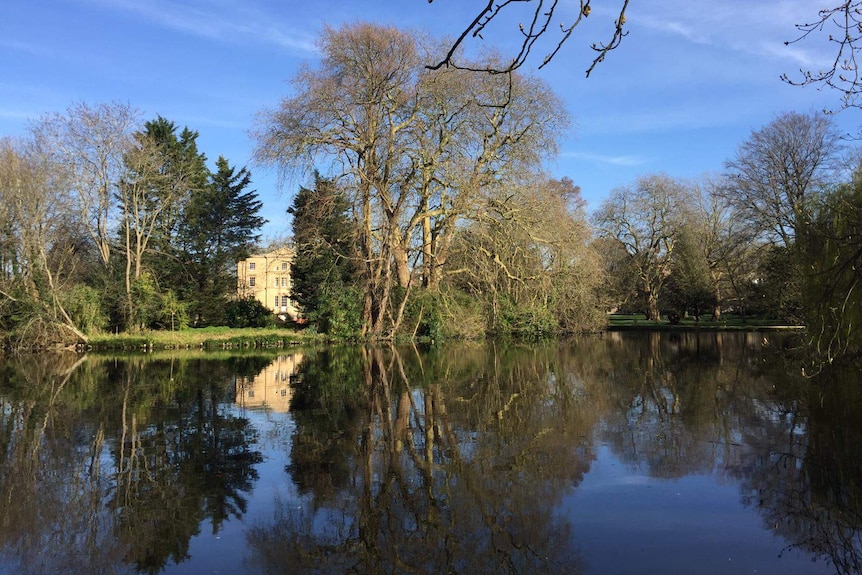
(652,307)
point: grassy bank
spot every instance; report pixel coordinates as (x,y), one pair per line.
(214,338)
(206,338)
(729,322)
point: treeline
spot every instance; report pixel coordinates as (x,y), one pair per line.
(110,224)
(435,218)
(430,215)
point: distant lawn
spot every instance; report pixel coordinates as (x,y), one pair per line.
(728,321)
(203,338)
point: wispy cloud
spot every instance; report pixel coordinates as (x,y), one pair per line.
(22,47)
(221,21)
(613,160)
(756,29)
(17,114)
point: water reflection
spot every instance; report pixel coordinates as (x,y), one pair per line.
(269,389)
(108,466)
(399,460)
(458,472)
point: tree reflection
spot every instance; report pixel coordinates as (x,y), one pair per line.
(459,472)
(181,462)
(106,464)
(738,406)
(806,480)
(407,460)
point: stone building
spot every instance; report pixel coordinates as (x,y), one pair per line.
(266,277)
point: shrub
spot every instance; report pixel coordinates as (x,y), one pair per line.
(248,312)
(84,305)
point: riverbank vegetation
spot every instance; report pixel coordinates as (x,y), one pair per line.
(428,215)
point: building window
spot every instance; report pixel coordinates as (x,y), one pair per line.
(276,282)
(284,265)
(251,281)
(276,302)
(284,301)
(251,265)
(283,282)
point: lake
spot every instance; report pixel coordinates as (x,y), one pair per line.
(616,454)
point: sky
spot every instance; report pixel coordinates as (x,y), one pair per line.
(686,88)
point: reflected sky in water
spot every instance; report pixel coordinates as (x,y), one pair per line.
(627,453)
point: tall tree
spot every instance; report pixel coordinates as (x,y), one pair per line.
(355,111)
(88,143)
(326,262)
(779,171)
(645,219)
(773,184)
(39,252)
(162,171)
(411,148)
(690,286)
(220,224)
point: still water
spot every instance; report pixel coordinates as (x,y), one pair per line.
(627,453)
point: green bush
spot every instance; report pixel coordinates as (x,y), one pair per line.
(339,312)
(248,312)
(524,322)
(84,305)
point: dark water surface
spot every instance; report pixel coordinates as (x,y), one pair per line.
(628,453)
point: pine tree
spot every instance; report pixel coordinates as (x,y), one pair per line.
(324,268)
(220,225)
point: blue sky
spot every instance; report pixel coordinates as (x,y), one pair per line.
(685,89)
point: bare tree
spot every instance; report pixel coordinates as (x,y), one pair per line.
(354,113)
(527,256)
(779,170)
(473,136)
(37,208)
(147,192)
(413,147)
(541,17)
(89,144)
(843,25)
(721,239)
(644,219)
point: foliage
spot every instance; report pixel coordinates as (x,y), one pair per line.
(511,262)
(423,315)
(324,237)
(84,305)
(339,312)
(248,312)
(831,286)
(154,308)
(690,286)
(530,322)
(218,228)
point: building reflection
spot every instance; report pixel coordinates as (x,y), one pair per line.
(270,389)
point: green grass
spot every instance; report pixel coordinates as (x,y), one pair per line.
(728,321)
(204,338)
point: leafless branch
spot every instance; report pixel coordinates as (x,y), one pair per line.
(843,73)
(540,23)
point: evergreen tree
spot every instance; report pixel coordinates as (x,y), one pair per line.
(324,269)
(163,171)
(186,170)
(690,287)
(219,226)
